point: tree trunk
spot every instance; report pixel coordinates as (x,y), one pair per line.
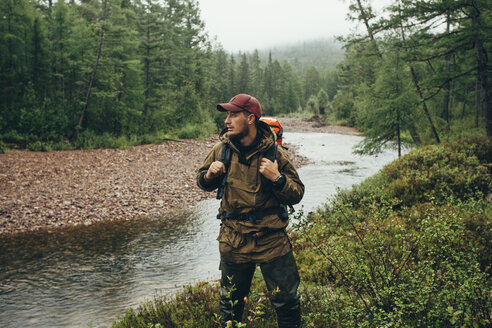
(463,110)
(424,104)
(482,73)
(447,91)
(363,14)
(398,116)
(477,101)
(414,134)
(447,86)
(147,78)
(93,75)
(419,92)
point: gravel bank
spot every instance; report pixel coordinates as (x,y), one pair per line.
(64,188)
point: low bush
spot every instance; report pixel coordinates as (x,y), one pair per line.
(409,247)
(430,173)
(422,266)
(198,306)
(193,307)
(3,148)
(190,131)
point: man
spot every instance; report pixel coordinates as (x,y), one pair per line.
(253,214)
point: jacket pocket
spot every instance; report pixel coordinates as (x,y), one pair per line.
(272,239)
(230,237)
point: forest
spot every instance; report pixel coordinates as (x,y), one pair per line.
(99,73)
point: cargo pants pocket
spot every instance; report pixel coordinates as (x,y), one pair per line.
(230,237)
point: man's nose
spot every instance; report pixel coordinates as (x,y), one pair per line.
(227,119)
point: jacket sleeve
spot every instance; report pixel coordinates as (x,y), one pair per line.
(213,156)
(293,189)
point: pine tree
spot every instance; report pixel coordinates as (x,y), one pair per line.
(243,79)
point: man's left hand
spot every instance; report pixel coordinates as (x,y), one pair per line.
(269,169)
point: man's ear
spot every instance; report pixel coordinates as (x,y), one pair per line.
(251,118)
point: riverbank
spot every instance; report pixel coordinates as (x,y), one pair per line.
(49,190)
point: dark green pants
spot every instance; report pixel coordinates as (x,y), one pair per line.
(281,272)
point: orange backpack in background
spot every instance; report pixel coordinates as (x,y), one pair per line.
(276,127)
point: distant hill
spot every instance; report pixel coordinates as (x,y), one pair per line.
(322,54)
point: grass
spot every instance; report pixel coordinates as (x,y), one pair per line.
(90,140)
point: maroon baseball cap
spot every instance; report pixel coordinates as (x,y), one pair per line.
(242,102)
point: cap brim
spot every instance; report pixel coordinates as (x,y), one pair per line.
(228,107)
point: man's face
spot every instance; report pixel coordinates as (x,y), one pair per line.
(237,124)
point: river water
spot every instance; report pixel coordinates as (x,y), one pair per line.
(88,276)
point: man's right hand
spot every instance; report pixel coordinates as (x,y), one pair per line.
(215,170)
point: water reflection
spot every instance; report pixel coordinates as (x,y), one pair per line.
(71,277)
(88,274)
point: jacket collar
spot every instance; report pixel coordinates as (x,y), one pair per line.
(267,140)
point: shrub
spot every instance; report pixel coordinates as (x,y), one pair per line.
(409,247)
(196,131)
(39,146)
(436,172)
(429,173)
(198,306)
(423,266)
(193,307)
(3,148)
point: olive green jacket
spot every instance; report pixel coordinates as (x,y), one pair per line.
(248,190)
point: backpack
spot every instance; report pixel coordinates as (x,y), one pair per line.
(275,126)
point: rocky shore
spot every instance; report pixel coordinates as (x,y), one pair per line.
(64,188)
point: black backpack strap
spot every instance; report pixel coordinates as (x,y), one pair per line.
(271,152)
(225,157)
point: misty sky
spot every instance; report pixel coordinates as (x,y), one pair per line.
(248,24)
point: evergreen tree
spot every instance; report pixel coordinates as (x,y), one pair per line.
(311,82)
(386,108)
(322,101)
(257,75)
(219,87)
(243,80)
(232,90)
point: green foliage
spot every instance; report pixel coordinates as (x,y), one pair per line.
(323,102)
(144,84)
(193,307)
(3,148)
(198,306)
(414,71)
(196,131)
(368,261)
(430,173)
(436,172)
(343,108)
(141,81)
(376,266)
(312,105)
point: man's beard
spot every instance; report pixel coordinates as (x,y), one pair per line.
(238,137)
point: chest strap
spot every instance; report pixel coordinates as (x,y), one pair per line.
(254,215)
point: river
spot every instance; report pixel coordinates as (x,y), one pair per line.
(88,276)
